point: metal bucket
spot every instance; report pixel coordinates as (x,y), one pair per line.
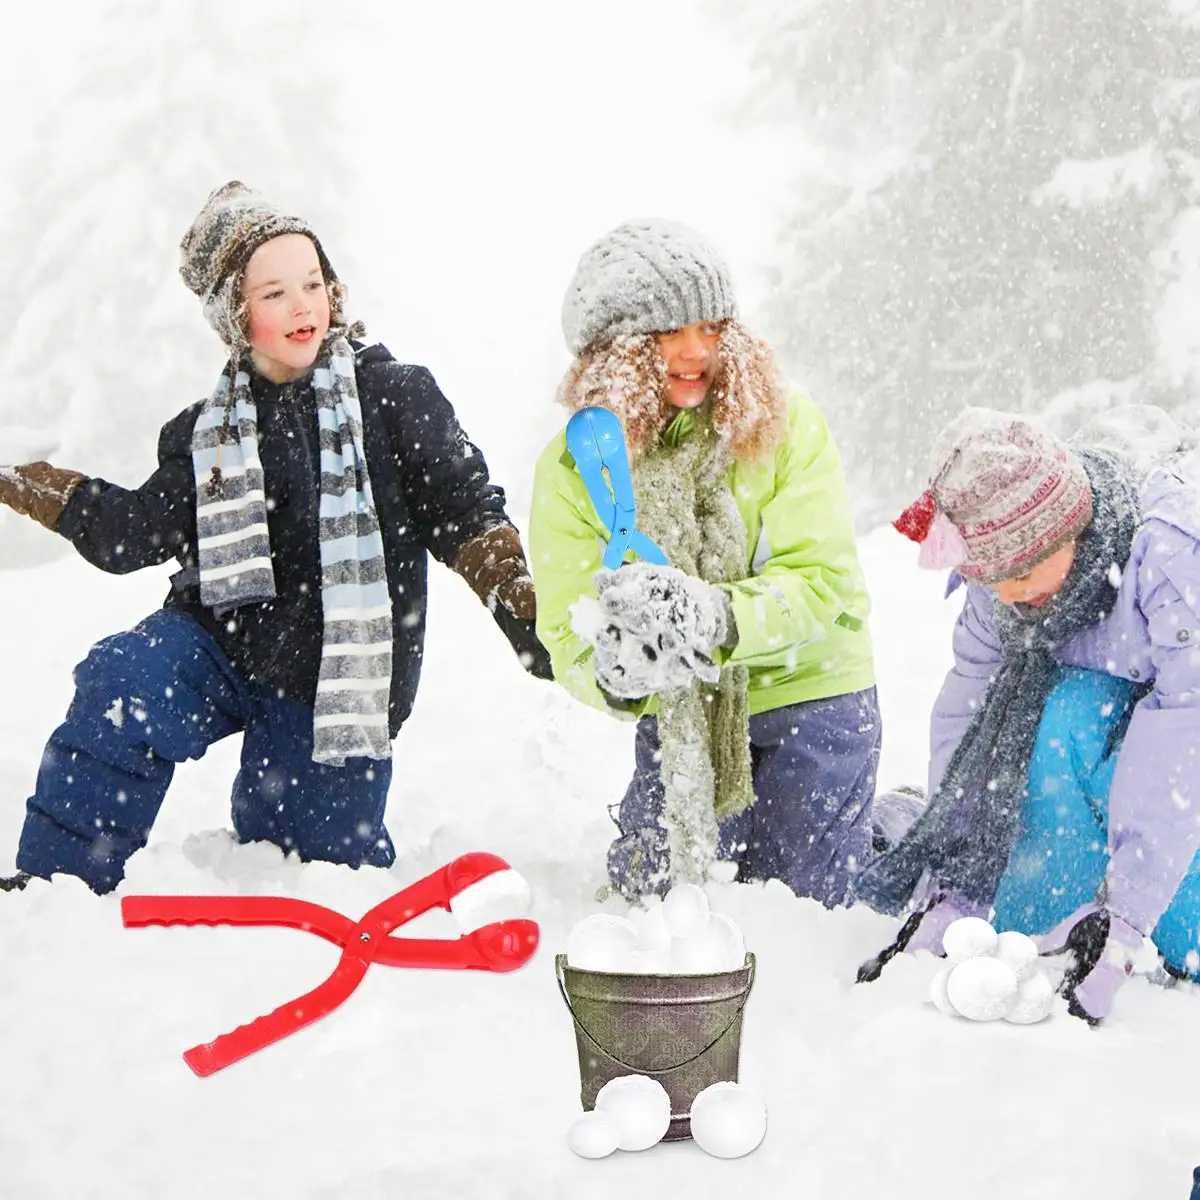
(683,1030)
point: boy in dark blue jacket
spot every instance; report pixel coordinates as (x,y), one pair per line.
(300,499)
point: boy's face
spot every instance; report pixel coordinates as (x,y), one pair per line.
(287,306)
(1041,584)
(692,357)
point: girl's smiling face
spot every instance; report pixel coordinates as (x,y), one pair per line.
(692,355)
(287,307)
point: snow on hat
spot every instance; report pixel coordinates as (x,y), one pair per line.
(1004,494)
(646,276)
(233,223)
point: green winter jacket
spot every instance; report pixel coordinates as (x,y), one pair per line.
(802,609)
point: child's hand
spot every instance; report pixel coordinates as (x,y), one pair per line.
(653,629)
(38,490)
(672,610)
(494,565)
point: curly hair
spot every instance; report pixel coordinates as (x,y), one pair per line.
(628,376)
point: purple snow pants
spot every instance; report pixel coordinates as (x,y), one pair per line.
(810,824)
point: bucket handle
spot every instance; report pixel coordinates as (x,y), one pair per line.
(558,972)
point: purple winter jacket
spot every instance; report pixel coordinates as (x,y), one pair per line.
(1152,635)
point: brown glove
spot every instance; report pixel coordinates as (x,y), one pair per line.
(494,565)
(38,490)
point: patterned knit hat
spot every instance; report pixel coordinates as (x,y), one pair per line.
(1004,495)
(646,276)
(214,252)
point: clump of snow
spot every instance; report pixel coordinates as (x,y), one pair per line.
(968,937)
(679,936)
(1082,182)
(601,942)
(728,1120)
(1033,1002)
(496,897)
(1019,952)
(685,910)
(991,976)
(593,1135)
(640,1109)
(982,988)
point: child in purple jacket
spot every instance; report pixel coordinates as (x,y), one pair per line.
(1065,776)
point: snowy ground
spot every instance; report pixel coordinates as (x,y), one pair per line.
(430,1084)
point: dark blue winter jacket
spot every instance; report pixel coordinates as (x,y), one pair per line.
(431,492)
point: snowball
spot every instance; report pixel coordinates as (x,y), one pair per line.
(728,1120)
(601,943)
(1033,1002)
(653,933)
(725,930)
(685,910)
(981,988)
(594,1135)
(968,937)
(704,953)
(496,897)
(1020,952)
(639,1107)
(937,993)
(640,961)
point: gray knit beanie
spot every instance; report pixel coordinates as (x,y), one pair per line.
(214,252)
(647,276)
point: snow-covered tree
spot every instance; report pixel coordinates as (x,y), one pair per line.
(102,342)
(999,204)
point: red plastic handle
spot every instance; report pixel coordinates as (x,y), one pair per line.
(238,1043)
(137,911)
(501,946)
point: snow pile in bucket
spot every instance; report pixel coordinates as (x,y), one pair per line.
(679,936)
(991,976)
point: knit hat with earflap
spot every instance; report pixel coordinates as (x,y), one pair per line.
(214,252)
(647,276)
(1004,494)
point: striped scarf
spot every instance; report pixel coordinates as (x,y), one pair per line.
(350,714)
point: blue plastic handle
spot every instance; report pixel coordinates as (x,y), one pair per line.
(597,443)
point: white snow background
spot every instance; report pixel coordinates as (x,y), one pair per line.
(499,143)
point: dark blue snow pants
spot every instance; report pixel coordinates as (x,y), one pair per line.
(810,824)
(162,693)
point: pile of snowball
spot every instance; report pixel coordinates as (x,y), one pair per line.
(680,936)
(991,976)
(633,1112)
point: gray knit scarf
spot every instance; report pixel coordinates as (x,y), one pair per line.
(685,504)
(350,711)
(967,831)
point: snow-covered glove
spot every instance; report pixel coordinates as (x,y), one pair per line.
(494,565)
(655,629)
(38,490)
(1102,949)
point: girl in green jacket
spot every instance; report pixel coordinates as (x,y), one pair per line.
(748,659)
